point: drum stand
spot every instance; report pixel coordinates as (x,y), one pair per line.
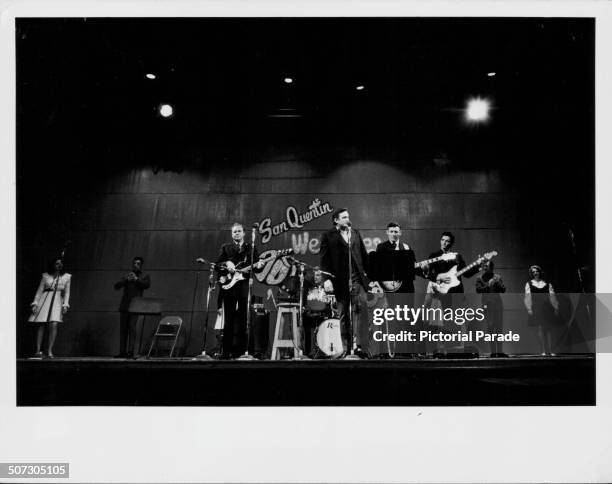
(211,287)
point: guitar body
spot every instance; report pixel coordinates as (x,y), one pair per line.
(394,286)
(446,281)
(236,278)
(241,269)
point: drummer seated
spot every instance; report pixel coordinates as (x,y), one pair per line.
(317,307)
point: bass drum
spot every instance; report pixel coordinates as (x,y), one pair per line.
(329,338)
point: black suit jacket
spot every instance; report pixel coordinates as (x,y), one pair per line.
(132,289)
(334,259)
(386,246)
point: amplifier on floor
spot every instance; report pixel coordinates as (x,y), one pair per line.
(260,324)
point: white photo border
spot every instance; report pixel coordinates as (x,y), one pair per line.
(310,444)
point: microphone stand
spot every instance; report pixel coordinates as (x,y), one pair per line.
(61,257)
(563,339)
(211,286)
(246,356)
(351,355)
(302,266)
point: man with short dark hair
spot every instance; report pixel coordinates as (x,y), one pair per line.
(491,286)
(335,259)
(133,284)
(432,271)
(447,241)
(394,233)
(234,299)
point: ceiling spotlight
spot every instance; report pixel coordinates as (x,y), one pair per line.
(491,74)
(360,88)
(288,80)
(166,110)
(150,76)
(477,110)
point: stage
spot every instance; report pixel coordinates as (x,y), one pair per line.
(518,380)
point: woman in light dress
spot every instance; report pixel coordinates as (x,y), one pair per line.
(50,303)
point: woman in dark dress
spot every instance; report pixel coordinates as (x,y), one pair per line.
(542,307)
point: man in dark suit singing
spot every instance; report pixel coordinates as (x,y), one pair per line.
(335,259)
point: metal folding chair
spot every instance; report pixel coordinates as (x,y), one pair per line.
(168,327)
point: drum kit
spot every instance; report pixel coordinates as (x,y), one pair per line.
(321,309)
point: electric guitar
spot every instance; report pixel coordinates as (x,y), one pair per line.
(393,286)
(230,280)
(448,280)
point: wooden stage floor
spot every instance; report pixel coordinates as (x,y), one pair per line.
(518,380)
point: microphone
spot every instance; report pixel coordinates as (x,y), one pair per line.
(255,225)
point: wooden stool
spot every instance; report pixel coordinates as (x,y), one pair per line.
(292,310)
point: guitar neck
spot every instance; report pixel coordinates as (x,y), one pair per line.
(265,259)
(472,265)
(428,261)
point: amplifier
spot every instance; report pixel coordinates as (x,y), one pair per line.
(260,326)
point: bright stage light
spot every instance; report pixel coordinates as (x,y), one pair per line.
(150,76)
(491,74)
(360,88)
(288,80)
(477,110)
(166,110)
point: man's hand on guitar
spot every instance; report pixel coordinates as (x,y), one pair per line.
(375,288)
(328,286)
(259,264)
(230,266)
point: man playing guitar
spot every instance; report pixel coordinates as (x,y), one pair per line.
(431,271)
(433,297)
(394,233)
(234,299)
